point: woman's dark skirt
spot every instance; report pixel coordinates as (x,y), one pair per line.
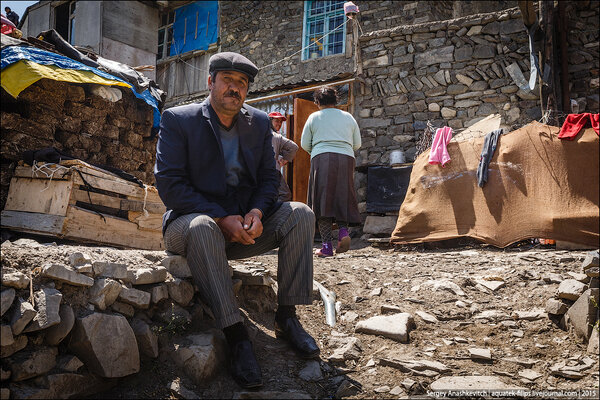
(331,188)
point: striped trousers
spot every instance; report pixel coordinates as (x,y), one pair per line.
(199,239)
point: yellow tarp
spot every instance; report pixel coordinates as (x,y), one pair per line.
(20,75)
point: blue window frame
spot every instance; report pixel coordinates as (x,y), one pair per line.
(324,29)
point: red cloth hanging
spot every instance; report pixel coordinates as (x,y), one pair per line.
(575,122)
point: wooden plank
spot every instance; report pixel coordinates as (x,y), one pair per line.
(151,222)
(96,199)
(39,196)
(301,166)
(85,225)
(52,170)
(109,185)
(33,222)
(137,205)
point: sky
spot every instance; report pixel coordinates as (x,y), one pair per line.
(17,6)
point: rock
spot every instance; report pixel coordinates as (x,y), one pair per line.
(123,308)
(396,326)
(397,391)
(593,343)
(104,292)
(470,382)
(69,363)
(377,225)
(530,374)
(66,274)
(181,392)
(199,355)
(311,372)
(414,365)
(6,335)
(4,393)
(552,278)
(382,389)
(22,315)
(480,354)
(517,333)
(433,107)
(145,276)
(349,316)
(4,375)
(17,280)
(448,112)
(146,339)
(408,383)
(110,270)
(557,307)
(47,302)
(456,89)
(106,344)
(435,56)
(566,372)
(579,277)
(349,348)
(427,317)
(177,266)
(458,339)
(582,315)
(388,309)
(181,291)
(531,315)
(591,260)
(78,259)
(271,395)
(160,292)
(7,297)
(176,314)
(492,285)
(18,344)
(55,334)
(25,365)
(252,275)
(59,385)
(592,272)
(134,297)
(346,389)
(465,80)
(570,289)
(376,292)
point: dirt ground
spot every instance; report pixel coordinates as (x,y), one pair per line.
(402,274)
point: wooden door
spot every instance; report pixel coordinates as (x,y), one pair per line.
(301,168)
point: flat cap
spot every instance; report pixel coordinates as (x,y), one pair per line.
(229,61)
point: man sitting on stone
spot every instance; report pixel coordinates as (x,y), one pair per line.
(215,172)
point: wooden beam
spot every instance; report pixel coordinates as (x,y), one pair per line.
(527,12)
(33,222)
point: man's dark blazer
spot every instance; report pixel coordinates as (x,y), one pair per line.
(190,166)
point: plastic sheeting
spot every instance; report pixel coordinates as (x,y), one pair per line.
(13,54)
(195,27)
(24,73)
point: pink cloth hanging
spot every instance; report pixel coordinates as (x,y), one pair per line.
(439,152)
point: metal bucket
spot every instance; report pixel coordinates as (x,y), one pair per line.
(397,157)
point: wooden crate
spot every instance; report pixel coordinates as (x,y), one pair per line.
(77,201)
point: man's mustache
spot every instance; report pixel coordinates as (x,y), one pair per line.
(233,94)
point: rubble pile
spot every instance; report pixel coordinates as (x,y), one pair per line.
(71,118)
(575,305)
(67,326)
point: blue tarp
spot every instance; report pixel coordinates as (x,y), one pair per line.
(198,24)
(13,54)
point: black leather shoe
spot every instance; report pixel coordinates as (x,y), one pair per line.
(294,333)
(243,365)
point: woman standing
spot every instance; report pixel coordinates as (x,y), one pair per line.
(331,136)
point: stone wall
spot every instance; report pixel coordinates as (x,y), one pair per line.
(81,319)
(75,121)
(583,54)
(451,73)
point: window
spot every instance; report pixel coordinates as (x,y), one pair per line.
(165,35)
(324,29)
(64,20)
